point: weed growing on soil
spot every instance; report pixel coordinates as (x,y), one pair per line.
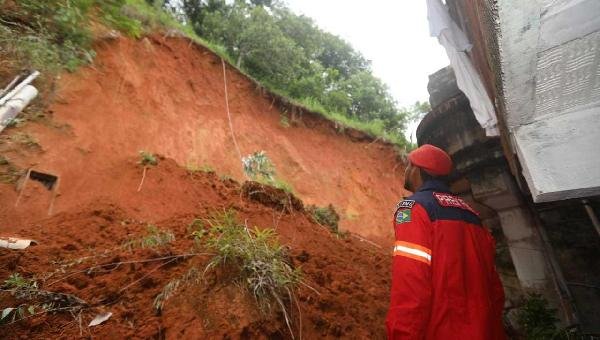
(283,185)
(38,301)
(326,216)
(148,158)
(225,178)
(375,128)
(192,168)
(9,173)
(174,285)
(25,139)
(14,122)
(259,168)
(154,239)
(284,121)
(55,35)
(260,262)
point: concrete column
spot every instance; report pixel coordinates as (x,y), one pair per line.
(497,190)
(525,248)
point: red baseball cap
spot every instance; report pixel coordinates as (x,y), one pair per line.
(432,159)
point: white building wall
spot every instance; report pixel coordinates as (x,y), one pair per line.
(550,58)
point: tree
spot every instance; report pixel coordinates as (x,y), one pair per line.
(290,53)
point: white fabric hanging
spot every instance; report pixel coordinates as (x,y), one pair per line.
(457,45)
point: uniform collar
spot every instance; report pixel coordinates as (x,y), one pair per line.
(434,185)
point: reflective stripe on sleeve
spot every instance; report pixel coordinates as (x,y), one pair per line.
(413,251)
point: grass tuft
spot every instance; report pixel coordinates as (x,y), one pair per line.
(155,238)
(25,139)
(259,168)
(326,216)
(260,263)
(9,173)
(148,158)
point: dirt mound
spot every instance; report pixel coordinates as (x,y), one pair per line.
(90,253)
(166,95)
(272,197)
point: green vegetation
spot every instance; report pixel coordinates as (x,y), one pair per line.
(253,259)
(174,285)
(284,121)
(16,282)
(539,321)
(537,318)
(260,263)
(9,173)
(53,35)
(287,53)
(259,168)
(18,285)
(25,139)
(148,158)
(37,301)
(207,169)
(326,216)
(155,238)
(292,57)
(193,168)
(283,185)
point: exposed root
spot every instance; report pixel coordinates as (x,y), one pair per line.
(142,181)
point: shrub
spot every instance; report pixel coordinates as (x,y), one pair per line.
(539,321)
(259,168)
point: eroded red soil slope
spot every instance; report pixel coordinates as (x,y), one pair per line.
(166,95)
(81,252)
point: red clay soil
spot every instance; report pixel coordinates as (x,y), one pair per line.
(166,95)
(76,252)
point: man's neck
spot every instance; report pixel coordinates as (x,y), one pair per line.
(434,185)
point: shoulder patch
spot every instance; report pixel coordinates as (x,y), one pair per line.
(405,204)
(447,200)
(403,216)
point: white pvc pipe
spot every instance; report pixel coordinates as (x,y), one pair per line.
(9,86)
(16,104)
(18,88)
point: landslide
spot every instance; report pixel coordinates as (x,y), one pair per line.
(165,94)
(80,252)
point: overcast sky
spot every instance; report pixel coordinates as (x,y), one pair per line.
(393,34)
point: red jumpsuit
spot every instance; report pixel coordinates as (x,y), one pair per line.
(444,281)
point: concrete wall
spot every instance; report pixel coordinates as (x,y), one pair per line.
(550,58)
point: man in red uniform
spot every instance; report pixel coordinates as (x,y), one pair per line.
(444,281)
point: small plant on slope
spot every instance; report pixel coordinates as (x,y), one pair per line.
(39,301)
(326,216)
(154,239)
(147,158)
(9,173)
(259,168)
(260,261)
